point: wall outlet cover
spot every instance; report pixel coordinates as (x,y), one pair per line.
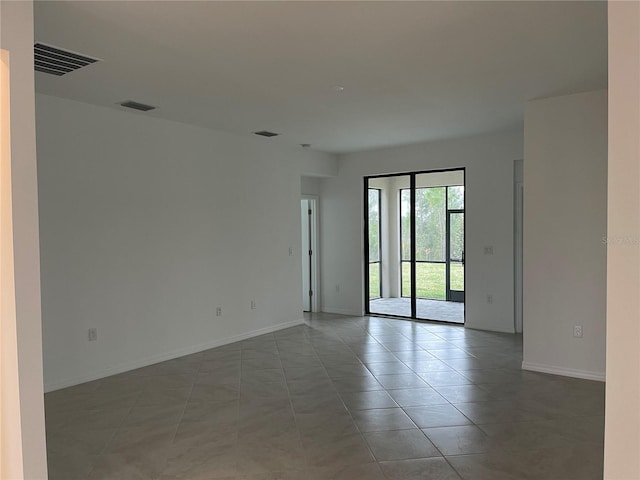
(92,334)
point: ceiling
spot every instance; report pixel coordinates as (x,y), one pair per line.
(410,71)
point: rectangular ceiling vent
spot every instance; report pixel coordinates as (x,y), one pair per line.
(57,61)
(266,133)
(137,106)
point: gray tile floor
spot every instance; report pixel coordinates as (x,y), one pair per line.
(426,309)
(339,398)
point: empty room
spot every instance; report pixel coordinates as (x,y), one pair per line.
(320,240)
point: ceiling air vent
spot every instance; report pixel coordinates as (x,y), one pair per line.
(137,106)
(57,61)
(266,133)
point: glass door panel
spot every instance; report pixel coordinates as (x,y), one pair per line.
(389,245)
(431,243)
(374,243)
(406,278)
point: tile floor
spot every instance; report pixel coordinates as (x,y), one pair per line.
(339,398)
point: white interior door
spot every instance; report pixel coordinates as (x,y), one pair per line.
(305,220)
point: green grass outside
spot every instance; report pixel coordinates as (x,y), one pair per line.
(374,280)
(431,279)
(457,276)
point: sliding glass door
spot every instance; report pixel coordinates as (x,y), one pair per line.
(414,230)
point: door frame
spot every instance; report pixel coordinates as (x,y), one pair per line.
(315,243)
(458,294)
(365,239)
(518,255)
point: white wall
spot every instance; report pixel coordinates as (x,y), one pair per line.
(622,429)
(22,424)
(489,188)
(310,185)
(316,164)
(147,226)
(565,224)
(10,431)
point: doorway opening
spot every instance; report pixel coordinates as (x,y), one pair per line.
(309,230)
(415,244)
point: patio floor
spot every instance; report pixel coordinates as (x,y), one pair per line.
(427,309)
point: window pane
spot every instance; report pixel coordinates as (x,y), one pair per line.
(456,198)
(374,280)
(406,279)
(456,225)
(457,276)
(405,224)
(374,225)
(431,224)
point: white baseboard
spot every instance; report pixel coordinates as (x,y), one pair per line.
(482,328)
(565,372)
(342,311)
(125,367)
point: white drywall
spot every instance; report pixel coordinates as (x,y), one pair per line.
(316,164)
(310,185)
(622,427)
(148,225)
(565,224)
(488,160)
(22,427)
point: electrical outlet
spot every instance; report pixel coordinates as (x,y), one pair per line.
(489,299)
(219,312)
(92,334)
(577,331)
(290,251)
(337,288)
(253,305)
(488,250)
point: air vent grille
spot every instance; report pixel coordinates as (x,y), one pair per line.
(137,106)
(266,133)
(57,61)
